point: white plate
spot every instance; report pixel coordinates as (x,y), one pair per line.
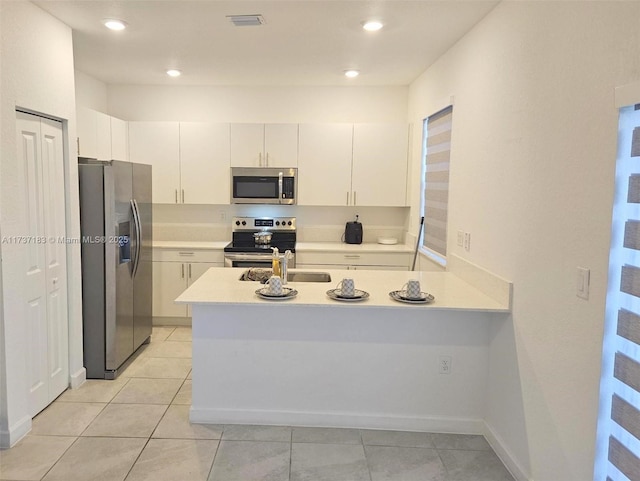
(287,293)
(359,295)
(387,240)
(397,296)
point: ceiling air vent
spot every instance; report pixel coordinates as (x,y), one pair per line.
(246,20)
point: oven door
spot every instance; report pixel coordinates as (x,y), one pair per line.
(251,260)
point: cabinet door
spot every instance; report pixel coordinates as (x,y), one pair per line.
(169,281)
(157,144)
(380,164)
(281,145)
(324,164)
(195,270)
(103,124)
(247,145)
(119,139)
(87,133)
(204,163)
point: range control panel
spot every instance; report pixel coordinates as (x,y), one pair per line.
(263,223)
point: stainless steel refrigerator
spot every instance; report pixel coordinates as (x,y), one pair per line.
(115,224)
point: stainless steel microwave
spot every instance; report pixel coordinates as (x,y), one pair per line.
(264,185)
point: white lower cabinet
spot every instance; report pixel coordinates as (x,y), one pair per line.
(392,261)
(174,271)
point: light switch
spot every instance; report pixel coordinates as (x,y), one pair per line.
(582,283)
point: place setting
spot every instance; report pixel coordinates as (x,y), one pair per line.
(275,291)
(346,291)
(411,293)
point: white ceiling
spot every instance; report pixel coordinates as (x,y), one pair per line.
(303,42)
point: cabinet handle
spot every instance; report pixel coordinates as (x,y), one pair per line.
(189,271)
(259,159)
(352,256)
(347,197)
(267,162)
(185,253)
(183,196)
(78,142)
(182,275)
(176,196)
(354,197)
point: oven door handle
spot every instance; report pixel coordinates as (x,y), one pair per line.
(280,175)
(248,257)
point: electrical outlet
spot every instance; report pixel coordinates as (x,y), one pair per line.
(222,215)
(444,364)
(460,238)
(467,241)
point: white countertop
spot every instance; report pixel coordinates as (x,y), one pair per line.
(342,247)
(222,286)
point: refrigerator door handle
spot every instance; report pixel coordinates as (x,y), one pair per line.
(138,224)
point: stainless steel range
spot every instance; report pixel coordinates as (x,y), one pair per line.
(253,238)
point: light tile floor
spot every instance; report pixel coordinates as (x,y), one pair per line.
(137,428)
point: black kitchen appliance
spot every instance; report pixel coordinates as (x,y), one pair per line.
(264,185)
(353,232)
(248,248)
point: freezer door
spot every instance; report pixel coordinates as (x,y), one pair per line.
(142,282)
(94,277)
(119,251)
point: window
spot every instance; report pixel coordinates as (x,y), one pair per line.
(618,441)
(436,150)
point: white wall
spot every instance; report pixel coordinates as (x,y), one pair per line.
(258,104)
(532,171)
(36,74)
(91,93)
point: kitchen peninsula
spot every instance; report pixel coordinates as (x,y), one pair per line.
(313,361)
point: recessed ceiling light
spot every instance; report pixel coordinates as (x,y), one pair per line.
(113,24)
(351,73)
(174,73)
(372,25)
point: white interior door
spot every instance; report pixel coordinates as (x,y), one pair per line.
(40,149)
(56,256)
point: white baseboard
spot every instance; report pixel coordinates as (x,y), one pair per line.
(336,420)
(15,433)
(500,448)
(78,378)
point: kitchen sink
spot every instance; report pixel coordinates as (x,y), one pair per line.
(308,277)
(264,274)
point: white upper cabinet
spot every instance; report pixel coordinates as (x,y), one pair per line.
(101,136)
(380,164)
(264,145)
(190,160)
(87,128)
(103,124)
(281,145)
(324,164)
(345,164)
(119,139)
(158,144)
(204,163)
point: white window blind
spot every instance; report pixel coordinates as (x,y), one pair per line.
(437,148)
(618,441)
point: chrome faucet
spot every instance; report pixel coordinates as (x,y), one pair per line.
(284,265)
